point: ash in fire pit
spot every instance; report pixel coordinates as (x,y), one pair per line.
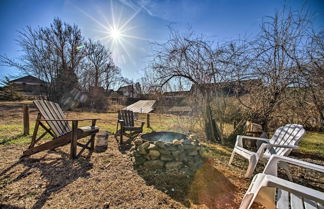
(167,150)
(163,136)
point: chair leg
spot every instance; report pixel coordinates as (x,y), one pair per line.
(252,165)
(232,158)
(121,133)
(286,168)
(74,138)
(32,144)
(93,136)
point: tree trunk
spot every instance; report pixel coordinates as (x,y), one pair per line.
(211,129)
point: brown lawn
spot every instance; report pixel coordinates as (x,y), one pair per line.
(108,180)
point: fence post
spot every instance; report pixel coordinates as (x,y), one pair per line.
(148,125)
(26,119)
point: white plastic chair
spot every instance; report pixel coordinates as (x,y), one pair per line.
(284,140)
(273,192)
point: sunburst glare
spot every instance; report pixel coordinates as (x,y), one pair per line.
(118,30)
(115,34)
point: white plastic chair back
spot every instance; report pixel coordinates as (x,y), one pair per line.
(289,134)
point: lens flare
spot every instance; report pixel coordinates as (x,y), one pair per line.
(115,34)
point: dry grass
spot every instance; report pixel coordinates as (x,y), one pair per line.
(51,180)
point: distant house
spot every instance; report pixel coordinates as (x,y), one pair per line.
(180,110)
(174,102)
(29,85)
(115,98)
(132,90)
(228,88)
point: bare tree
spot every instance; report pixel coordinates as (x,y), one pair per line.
(51,53)
(100,66)
(313,73)
(274,59)
(192,58)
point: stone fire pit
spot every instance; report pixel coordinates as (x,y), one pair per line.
(169,150)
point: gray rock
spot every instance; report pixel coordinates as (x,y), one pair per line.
(181,157)
(138,141)
(140,160)
(141,150)
(176,141)
(152,146)
(192,137)
(154,164)
(189,146)
(164,152)
(159,144)
(176,153)
(145,145)
(166,158)
(172,147)
(173,165)
(154,154)
(132,149)
(192,153)
(180,147)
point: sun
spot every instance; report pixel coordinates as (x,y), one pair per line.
(118,30)
(115,34)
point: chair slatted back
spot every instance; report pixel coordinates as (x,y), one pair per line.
(127,116)
(52,111)
(289,134)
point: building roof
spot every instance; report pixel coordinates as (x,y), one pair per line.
(228,84)
(28,79)
(176,93)
(180,109)
(128,87)
(141,106)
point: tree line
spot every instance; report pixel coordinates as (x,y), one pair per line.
(285,60)
(60,55)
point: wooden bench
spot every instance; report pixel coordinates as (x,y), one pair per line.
(62,133)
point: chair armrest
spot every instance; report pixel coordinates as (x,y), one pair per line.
(272,165)
(239,139)
(263,180)
(120,121)
(254,138)
(69,119)
(264,147)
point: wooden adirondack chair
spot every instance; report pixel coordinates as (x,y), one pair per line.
(284,140)
(50,113)
(126,121)
(274,192)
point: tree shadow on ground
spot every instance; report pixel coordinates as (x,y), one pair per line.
(205,186)
(58,172)
(125,146)
(9,206)
(174,183)
(5,141)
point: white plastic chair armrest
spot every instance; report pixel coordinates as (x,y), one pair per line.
(312,194)
(272,165)
(263,180)
(239,139)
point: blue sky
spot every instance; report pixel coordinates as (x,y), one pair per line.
(145,21)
